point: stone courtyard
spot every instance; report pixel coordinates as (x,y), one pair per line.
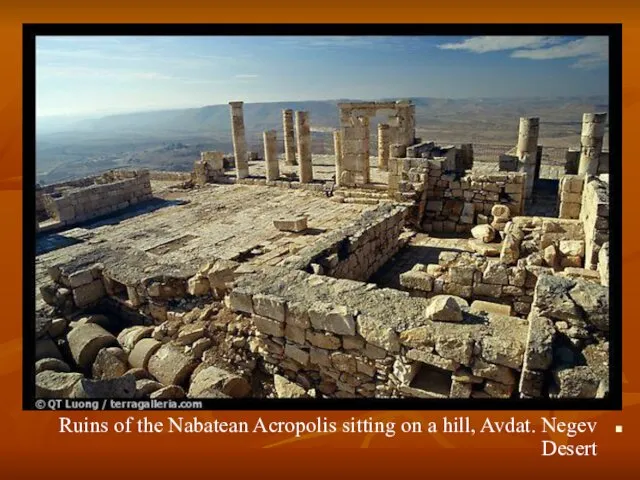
(394,268)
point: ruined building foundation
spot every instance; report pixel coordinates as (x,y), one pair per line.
(427,280)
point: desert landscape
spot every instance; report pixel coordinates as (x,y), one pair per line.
(357,249)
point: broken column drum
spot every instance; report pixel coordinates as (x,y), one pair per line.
(591,140)
(289,137)
(303,134)
(337,148)
(527,150)
(239,139)
(383,146)
(271,155)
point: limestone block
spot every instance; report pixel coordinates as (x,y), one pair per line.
(121,387)
(485,233)
(417,280)
(145,387)
(405,371)
(142,352)
(319,356)
(170,392)
(210,380)
(270,306)
(79,278)
(501,212)
(374,331)
(480,306)
(496,274)
(323,340)
(510,250)
(129,337)
(51,364)
(297,224)
(576,382)
(498,390)
(539,349)
(287,389)
(444,308)
(170,365)
(240,301)
(574,248)
(432,359)
(459,349)
(335,319)
(268,326)
(52,384)
(85,341)
(460,390)
(343,362)
(298,354)
(89,293)
(499,373)
(198,285)
(110,363)
(592,299)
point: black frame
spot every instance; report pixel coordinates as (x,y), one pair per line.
(612,31)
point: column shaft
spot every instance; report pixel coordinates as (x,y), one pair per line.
(303,137)
(239,140)
(271,155)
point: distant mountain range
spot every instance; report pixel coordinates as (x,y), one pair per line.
(68,147)
(259,116)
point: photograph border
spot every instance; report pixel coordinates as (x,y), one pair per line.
(612,31)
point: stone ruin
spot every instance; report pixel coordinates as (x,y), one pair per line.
(253,291)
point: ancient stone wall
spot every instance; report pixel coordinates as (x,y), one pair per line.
(344,337)
(81,204)
(594,214)
(570,196)
(167,176)
(568,336)
(456,203)
(357,251)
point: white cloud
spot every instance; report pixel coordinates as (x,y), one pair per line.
(498,43)
(590,52)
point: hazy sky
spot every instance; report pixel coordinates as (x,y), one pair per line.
(85,75)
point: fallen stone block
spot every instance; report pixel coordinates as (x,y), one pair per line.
(486,249)
(539,349)
(51,364)
(212,379)
(142,352)
(52,384)
(417,280)
(85,341)
(145,387)
(577,382)
(444,308)
(122,387)
(170,392)
(480,306)
(110,362)
(47,348)
(377,333)
(287,389)
(297,224)
(484,233)
(88,294)
(129,337)
(170,365)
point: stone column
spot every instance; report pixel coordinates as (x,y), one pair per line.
(239,140)
(271,155)
(289,137)
(364,160)
(303,138)
(383,146)
(337,148)
(593,126)
(527,151)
